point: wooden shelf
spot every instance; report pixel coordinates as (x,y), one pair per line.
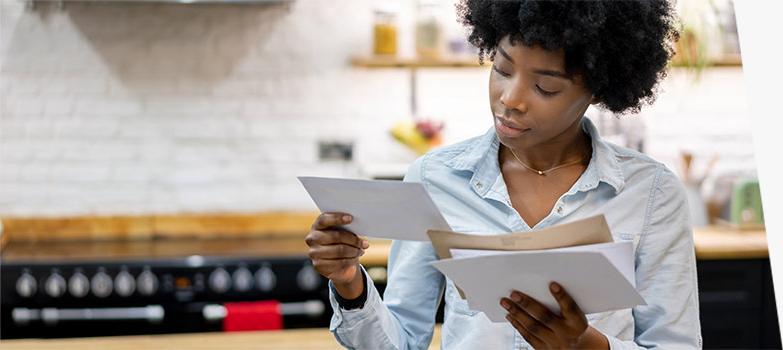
(465,62)
(415,62)
(725,61)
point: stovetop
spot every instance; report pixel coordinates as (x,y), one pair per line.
(85,278)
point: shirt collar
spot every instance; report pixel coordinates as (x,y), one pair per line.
(481,159)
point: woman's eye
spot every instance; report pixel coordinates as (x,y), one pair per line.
(546,92)
(496,69)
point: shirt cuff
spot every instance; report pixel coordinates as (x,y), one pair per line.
(342,318)
(358,302)
(617,344)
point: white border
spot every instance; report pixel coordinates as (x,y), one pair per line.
(759,25)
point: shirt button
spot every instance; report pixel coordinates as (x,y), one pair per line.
(479,185)
(560,210)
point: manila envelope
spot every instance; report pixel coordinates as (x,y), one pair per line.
(591,230)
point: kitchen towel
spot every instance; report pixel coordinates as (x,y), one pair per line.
(252,316)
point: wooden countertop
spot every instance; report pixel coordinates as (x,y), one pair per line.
(252,234)
(721,242)
(298,339)
(271,247)
(712,243)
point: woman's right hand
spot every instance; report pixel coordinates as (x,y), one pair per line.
(335,253)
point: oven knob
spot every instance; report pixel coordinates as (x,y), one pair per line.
(55,285)
(265,279)
(308,279)
(219,280)
(78,285)
(124,283)
(26,285)
(101,284)
(243,279)
(147,282)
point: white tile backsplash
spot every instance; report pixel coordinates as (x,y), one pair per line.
(130,109)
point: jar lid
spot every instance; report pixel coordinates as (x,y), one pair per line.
(386,7)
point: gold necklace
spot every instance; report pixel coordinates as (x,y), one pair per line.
(543,172)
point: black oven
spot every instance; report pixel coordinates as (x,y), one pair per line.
(89,295)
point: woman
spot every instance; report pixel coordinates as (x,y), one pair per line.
(542,163)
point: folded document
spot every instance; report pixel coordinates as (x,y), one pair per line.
(599,278)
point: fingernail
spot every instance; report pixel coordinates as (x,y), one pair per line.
(555,287)
(362,253)
(346,218)
(365,244)
(516,297)
(505,304)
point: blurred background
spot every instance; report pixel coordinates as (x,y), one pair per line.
(141,131)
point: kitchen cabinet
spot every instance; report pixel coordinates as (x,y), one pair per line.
(737,304)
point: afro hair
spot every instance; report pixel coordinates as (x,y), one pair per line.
(619,48)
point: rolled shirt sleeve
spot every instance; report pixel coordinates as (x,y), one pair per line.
(666,273)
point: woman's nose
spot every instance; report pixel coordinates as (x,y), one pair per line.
(513,98)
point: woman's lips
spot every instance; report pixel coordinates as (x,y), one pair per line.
(508,129)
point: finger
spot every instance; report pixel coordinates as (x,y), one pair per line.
(335,251)
(328,220)
(346,237)
(327,237)
(537,310)
(571,312)
(531,338)
(534,326)
(328,267)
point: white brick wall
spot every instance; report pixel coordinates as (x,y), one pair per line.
(172,108)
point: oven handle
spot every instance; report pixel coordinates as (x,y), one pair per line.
(151,313)
(313,308)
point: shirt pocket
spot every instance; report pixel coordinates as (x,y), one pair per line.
(628,236)
(455,302)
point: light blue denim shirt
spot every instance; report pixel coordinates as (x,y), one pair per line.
(642,200)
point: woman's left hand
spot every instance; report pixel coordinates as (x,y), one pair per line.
(543,329)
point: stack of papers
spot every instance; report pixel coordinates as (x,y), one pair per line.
(599,277)
(581,256)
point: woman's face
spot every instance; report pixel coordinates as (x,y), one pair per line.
(533,101)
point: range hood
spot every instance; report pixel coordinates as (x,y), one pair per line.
(207,2)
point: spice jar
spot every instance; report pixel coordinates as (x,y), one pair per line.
(429,30)
(385,30)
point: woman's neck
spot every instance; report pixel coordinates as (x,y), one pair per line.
(569,146)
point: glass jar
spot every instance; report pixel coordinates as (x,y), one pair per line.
(385,31)
(429,30)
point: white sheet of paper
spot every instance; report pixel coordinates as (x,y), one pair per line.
(620,254)
(380,208)
(594,283)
